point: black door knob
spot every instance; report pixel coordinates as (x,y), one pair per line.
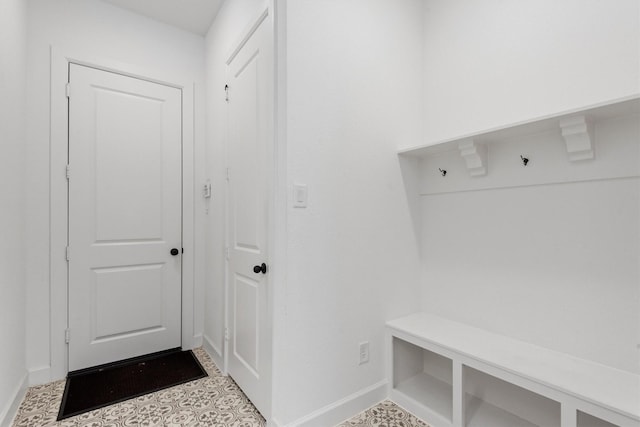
(175,251)
(260,268)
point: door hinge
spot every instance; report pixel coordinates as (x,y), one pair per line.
(68,90)
(226,334)
(67,336)
(226,93)
(68,171)
(68,254)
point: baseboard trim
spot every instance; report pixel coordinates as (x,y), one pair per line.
(214,352)
(197,341)
(345,408)
(39,376)
(9,412)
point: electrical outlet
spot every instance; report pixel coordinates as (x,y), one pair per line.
(364,352)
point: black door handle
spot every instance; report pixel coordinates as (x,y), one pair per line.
(260,268)
(174,251)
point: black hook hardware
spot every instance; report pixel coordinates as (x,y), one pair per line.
(525,160)
(443,172)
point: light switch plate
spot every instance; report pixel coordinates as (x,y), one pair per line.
(299,196)
(206,190)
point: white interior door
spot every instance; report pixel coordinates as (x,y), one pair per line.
(250,142)
(125,204)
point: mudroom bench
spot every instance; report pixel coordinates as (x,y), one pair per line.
(452,374)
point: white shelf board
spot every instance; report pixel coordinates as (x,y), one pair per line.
(482,414)
(597,112)
(601,385)
(430,392)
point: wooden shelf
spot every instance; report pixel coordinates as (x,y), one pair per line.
(592,113)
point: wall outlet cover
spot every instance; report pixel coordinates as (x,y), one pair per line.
(364,352)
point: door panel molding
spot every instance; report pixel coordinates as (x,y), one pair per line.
(61,57)
(247,33)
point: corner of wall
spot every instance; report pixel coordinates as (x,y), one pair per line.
(215,353)
(197,341)
(345,408)
(41,375)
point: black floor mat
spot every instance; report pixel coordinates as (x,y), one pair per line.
(94,388)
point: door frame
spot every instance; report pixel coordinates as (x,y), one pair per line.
(59,197)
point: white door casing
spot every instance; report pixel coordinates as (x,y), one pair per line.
(125,203)
(250,145)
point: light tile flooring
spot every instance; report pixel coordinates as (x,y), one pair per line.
(214,401)
(384,414)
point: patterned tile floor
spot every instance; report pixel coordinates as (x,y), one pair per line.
(384,414)
(214,401)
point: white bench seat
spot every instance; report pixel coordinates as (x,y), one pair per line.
(558,374)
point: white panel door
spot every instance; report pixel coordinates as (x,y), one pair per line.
(125,204)
(250,139)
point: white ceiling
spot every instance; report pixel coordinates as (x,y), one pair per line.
(191,15)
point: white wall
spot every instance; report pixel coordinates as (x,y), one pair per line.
(556,264)
(230,23)
(116,35)
(493,62)
(13,38)
(354,93)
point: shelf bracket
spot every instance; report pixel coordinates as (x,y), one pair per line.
(578,135)
(475,155)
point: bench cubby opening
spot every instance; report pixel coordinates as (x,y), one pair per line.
(587,420)
(492,401)
(423,376)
